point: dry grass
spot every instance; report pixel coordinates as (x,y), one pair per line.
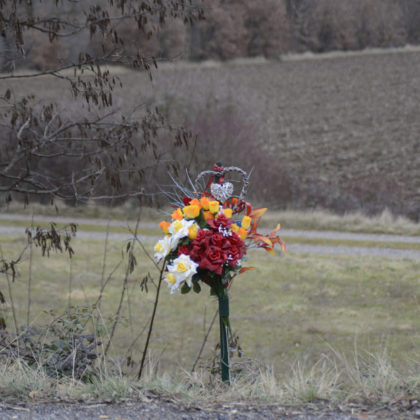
(335,377)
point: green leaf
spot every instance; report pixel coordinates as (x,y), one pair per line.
(196,287)
(185,289)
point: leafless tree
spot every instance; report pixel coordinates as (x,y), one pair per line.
(46,150)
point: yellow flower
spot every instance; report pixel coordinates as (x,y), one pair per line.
(181,267)
(191,211)
(242,233)
(204,201)
(177,214)
(170,278)
(164,226)
(234,228)
(192,231)
(227,212)
(177,225)
(246,222)
(214,206)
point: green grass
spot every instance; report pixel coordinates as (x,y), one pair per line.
(292,306)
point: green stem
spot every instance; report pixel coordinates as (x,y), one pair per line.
(224,323)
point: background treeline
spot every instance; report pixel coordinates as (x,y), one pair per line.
(235,28)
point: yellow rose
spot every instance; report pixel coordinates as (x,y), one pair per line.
(234,228)
(192,231)
(192,211)
(227,213)
(214,206)
(246,222)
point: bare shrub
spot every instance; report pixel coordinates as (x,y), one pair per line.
(268,27)
(327,25)
(44,54)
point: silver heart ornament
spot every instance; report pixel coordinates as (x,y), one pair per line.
(221,192)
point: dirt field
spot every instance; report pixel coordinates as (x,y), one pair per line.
(350,123)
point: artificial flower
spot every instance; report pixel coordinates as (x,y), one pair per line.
(177,214)
(162,248)
(227,212)
(214,206)
(205,203)
(192,231)
(164,226)
(191,211)
(246,222)
(183,268)
(179,229)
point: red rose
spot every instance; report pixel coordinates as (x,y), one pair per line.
(217,240)
(221,223)
(184,249)
(208,265)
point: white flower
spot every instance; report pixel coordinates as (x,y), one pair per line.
(181,269)
(163,248)
(179,229)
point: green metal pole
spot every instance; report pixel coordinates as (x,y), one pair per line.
(224,322)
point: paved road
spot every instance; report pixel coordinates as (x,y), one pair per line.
(287,233)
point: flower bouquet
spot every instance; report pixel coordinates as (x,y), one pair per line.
(207,240)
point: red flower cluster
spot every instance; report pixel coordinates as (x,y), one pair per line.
(215,248)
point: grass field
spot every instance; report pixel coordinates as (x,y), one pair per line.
(294,307)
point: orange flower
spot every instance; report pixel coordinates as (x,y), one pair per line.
(192,211)
(177,214)
(164,226)
(208,215)
(204,201)
(234,201)
(242,233)
(195,202)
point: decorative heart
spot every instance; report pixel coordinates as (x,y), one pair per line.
(221,192)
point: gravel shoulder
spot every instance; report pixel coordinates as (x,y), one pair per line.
(167,409)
